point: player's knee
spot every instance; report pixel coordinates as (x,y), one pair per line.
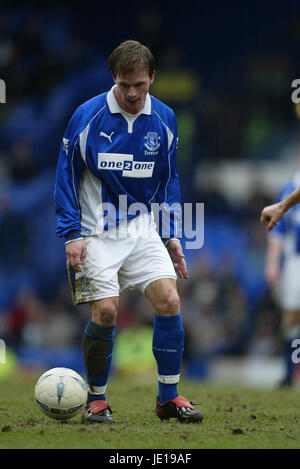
(104,312)
(169,304)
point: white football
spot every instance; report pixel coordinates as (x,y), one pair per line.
(60,393)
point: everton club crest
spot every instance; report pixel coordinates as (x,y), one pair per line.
(152,142)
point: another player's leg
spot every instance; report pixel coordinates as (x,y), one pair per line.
(97,346)
(291,331)
(168,345)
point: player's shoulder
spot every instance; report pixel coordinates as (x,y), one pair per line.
(86,111)
(163,111)
(92,106)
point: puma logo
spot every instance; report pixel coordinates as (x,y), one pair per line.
(103,134)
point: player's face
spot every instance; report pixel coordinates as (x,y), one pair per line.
(132,89)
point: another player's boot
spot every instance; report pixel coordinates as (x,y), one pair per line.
(97,412)
(179,408)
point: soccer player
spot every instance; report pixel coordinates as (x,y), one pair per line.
(120,146)
(283,266)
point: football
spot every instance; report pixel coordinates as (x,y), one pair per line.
(60,393)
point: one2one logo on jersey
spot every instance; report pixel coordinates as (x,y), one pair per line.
(124,162)
(152,143)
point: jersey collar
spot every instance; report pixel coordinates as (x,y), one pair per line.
(115,108)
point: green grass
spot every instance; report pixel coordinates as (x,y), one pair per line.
(234,418)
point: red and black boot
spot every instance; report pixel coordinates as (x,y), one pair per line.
(97,412)
(179,408)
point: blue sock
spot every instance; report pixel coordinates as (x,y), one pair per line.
(289,366)
(97,346)
(291,333)
(167,346)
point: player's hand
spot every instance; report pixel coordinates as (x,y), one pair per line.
(76,252)
(178,258)
(271,215)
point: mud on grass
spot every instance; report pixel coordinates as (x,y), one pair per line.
(234,418)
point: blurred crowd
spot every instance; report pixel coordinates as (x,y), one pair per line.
(232,104)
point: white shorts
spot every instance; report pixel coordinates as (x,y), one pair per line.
(290,284)
(121,260)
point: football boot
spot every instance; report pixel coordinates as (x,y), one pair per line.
(179,408)
(97,412)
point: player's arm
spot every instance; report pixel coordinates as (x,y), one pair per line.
(70,167)
(271,215)
(273,257)
(169,198)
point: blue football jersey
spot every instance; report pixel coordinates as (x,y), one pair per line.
(289,225)
(107,154)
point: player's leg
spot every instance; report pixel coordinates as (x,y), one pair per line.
(168,335)
(149,269)
(97,284)
(97,346)
(290,303)
(291,331)
(168,345)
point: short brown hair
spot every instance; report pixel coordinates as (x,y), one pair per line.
(128,57)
